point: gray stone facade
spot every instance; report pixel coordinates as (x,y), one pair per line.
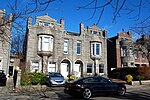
(68,52)
(5,41)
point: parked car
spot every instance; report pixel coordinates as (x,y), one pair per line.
(3,78)
(55,79)
(88,87)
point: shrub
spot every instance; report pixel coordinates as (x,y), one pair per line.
(72,77)
(139,77)
(129,78)
(25,80)
(33,78)
(120,73)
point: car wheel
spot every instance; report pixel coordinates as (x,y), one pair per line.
(121,91)
(87,93)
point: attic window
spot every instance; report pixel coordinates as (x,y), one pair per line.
(46,24)
(94,32)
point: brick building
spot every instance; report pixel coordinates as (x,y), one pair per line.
(49,47)
(140,58)
(121,52)
(5,41)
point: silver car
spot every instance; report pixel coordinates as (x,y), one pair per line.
(55,79)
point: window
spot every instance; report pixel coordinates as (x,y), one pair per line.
(65,46)
(89,80)
(135,55)
(94,32)
(143,56)
(46,24)
(45,43)
(96,49)
(103,80)
(78,47)
(35,66)
(89,68)
(124,51)
(101,68)
(51,67)
(125,64)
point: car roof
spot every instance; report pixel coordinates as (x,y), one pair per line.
(82,78)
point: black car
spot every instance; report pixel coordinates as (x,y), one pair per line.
(3,78)
(93,86)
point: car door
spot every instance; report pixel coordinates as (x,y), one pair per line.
(108,85)
(92,84)
(98,86)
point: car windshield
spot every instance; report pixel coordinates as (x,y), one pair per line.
(55,75)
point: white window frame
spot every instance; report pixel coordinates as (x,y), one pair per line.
(51,66)
(101,68)
(94,50)
(42,43)
(35,65)
(90,67)
(66,44)
(78,47)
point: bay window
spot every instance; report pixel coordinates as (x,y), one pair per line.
(45,43)
(96,49)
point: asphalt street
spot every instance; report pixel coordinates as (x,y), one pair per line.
(135,92)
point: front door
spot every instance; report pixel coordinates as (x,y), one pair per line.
(64,69)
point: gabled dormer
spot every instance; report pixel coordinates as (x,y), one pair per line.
(95,30)
(45,21)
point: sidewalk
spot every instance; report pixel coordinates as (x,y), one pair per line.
(132,87)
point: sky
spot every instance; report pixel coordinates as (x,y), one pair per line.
(67,9)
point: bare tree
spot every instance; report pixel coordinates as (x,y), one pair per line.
(131,9)
(143,45)
(20,10)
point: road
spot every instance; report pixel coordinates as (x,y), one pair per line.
(56,93)
(132,94)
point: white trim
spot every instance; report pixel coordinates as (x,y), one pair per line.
(66,45)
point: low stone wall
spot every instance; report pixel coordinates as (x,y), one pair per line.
(143,82)
(31,88)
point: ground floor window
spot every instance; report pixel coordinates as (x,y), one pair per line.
(35,66)
(89,68)
(101,68)
(52,67)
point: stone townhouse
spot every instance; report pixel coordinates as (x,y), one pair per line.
(5,41)
(48,47)
(121,52)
